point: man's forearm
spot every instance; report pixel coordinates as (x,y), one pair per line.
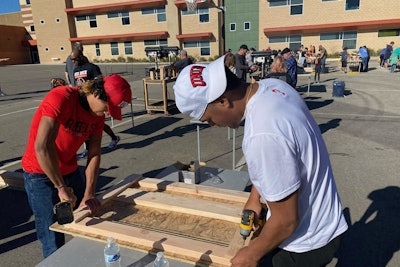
(92,174)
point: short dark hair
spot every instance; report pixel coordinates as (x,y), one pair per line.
(232,81)
(243,46)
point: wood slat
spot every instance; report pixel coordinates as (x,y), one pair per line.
(182,204)
(195,189)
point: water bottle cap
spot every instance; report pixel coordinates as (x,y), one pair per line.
(110,239)
(160,254)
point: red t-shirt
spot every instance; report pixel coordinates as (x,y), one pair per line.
(76,126)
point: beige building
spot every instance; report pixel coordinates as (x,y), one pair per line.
(13,40)
(122,30)
(331,23)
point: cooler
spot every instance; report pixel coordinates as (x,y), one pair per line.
(338,89)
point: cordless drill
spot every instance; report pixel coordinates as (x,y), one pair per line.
(246,224)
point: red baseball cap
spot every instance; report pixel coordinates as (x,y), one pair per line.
(119,94)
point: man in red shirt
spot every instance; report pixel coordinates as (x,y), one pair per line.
(66,118)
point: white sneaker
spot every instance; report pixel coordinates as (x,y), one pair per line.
(113,143)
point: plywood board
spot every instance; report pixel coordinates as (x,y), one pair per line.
(189,222)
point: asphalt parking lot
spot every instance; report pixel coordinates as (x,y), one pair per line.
(360,129)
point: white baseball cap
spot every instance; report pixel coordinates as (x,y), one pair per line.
(198,85)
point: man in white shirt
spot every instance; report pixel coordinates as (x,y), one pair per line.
(287,160)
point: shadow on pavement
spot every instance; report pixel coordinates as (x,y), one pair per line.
(16,229)
(373,239)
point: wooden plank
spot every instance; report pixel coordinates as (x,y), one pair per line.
(110,194)
(130,236)
(12,179)
(194,189)
(188,222)
(182,204)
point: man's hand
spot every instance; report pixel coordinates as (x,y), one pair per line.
(90,202)
(243,259)
(67,194)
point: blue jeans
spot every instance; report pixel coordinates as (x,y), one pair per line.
(42,196)
(393,67)
(323,62)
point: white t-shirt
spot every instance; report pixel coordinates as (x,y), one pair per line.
(285,152)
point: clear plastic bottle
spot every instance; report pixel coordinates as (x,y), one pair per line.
(160,260)
(112,257)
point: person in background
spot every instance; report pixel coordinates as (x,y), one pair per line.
(230,62)
(291,65)
(394,59)
(249,58)
(388,53)
(65,119)
(241,65)
(182,62)
(317,69)
(278,70)
(343,59)
(363,54)
(70,66)
(324,55)
(83,71)
(312,50)
(288,163)
(381,58)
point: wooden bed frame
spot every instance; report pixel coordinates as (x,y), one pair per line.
(194,223)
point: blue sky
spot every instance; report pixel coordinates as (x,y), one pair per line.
(8,6)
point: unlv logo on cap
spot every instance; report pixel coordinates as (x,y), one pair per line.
(196,77)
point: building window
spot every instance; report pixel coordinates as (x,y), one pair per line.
(41,21)
(46,49)
(232,27)
(352,4)
(349,38)
(293,41)
(32,28)
(203,12)
(92,21)
(296,7)
(204,47)
(277,3)
(124,15)
(28,2)
(97,46)
(159,11)
(58,20)
(61,48)
(389,33)
(247,26)
(114,49)
(90,18)
(128,48)
(155,42)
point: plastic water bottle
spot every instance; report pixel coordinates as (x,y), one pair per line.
(160,261)
(111,253)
